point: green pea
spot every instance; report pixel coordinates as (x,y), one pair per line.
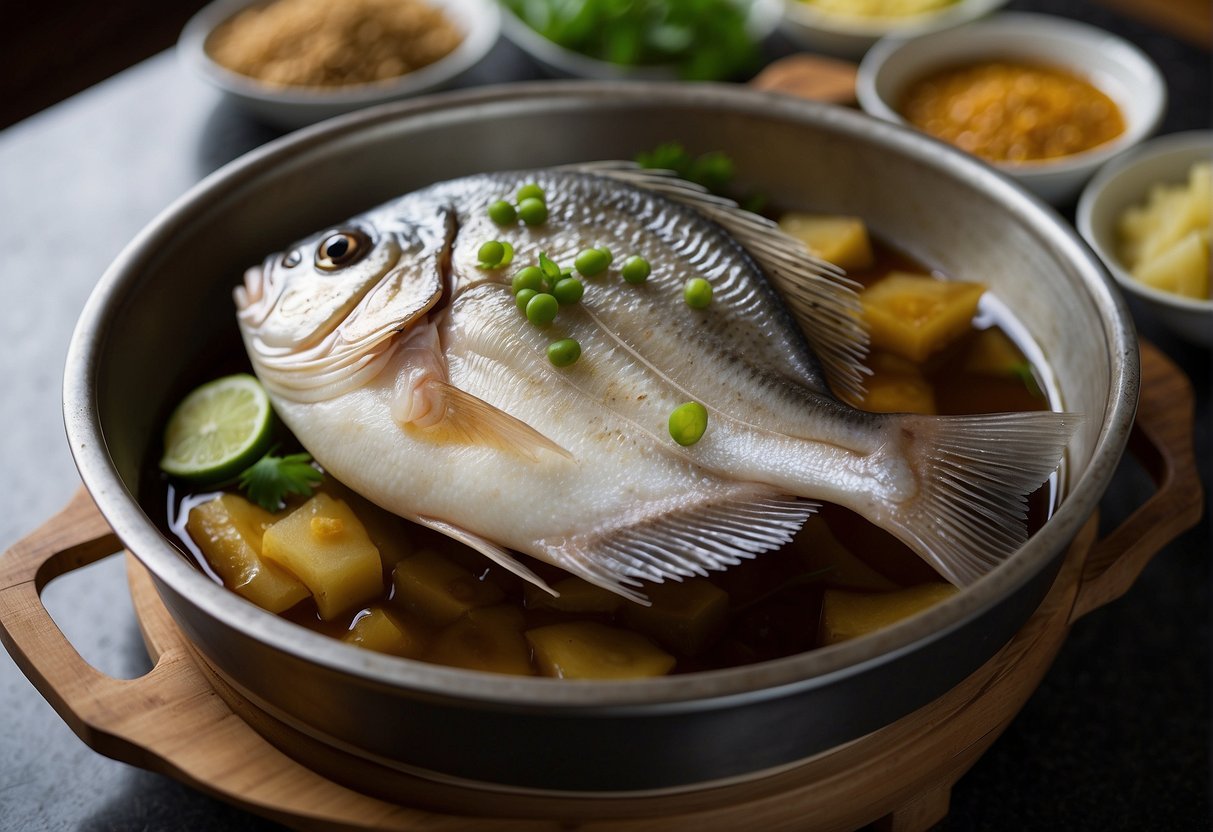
(523,298)
(502,213)
(529,191)
(636,269)
(697,293)
(530,277)
(568,291)
(508,256)
(490,254)
(564,352)
(688,423)
(591,261)
(541,310)
(533,211)
(608,254)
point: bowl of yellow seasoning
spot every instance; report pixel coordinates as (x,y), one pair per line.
(1149,216)
(1044,99)
(295,62)
(848,28)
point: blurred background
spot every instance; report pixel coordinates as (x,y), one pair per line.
(53,50)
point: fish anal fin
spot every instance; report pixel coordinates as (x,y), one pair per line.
(820,297)
(471,420)
(489,549)
(687,542)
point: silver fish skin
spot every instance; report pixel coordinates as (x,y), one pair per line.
(407,371)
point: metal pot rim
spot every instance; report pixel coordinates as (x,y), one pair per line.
(817,668)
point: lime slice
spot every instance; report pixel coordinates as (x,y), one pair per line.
(218,430)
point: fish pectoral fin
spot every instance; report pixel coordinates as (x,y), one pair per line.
(489,549)
(471,419)
(824,302)
(692,541)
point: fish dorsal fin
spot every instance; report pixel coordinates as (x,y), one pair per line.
(819,295)
(692,541)
(489,549)
(473,420)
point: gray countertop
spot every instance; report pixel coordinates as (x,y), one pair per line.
(1116,738)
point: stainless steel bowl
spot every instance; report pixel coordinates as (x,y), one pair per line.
(168,295)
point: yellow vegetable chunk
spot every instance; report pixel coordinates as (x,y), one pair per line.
(440,591)
(819,550)
(840,240)
(393,536)
(576,595)
(846,615)
(896,386)
(488,639)
(385,632)
(685,617)
(589,650)
(228,530)
(994,354)
(915,315)
(1171,212)
(1182,269)
(323,544)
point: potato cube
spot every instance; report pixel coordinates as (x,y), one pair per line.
(994,354)
(489,639)
(820,551)
(393,536)
(846,615)
(385,632)
(840,240)
(323,544)
(432,587)
(589,650)
(685,617)
(1182,269)
(915,315)
(896,386)
(576,595)
(228,530)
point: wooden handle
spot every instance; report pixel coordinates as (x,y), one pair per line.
(101,710)
(1162,442)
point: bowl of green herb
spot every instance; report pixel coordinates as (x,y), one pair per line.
(696,40)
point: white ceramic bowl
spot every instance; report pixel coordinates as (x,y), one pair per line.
(560,62)
(1126,183)
(1115,66)
(851,36)
(290,107)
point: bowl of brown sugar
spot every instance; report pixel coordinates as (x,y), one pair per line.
(1046,100)
(295,62)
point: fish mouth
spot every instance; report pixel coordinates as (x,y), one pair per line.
(250,297)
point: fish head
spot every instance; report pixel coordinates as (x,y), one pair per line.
(341,294)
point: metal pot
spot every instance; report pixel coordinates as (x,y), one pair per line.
(169,293)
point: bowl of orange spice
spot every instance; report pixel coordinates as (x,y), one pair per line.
(1044,99)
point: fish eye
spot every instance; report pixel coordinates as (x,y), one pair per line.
(341,249)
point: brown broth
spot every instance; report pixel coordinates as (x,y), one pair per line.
(774,600)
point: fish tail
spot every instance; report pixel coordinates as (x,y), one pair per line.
(974,476)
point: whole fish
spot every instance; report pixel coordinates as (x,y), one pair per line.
(405,368)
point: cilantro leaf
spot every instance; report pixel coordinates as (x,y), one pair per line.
(268,480)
